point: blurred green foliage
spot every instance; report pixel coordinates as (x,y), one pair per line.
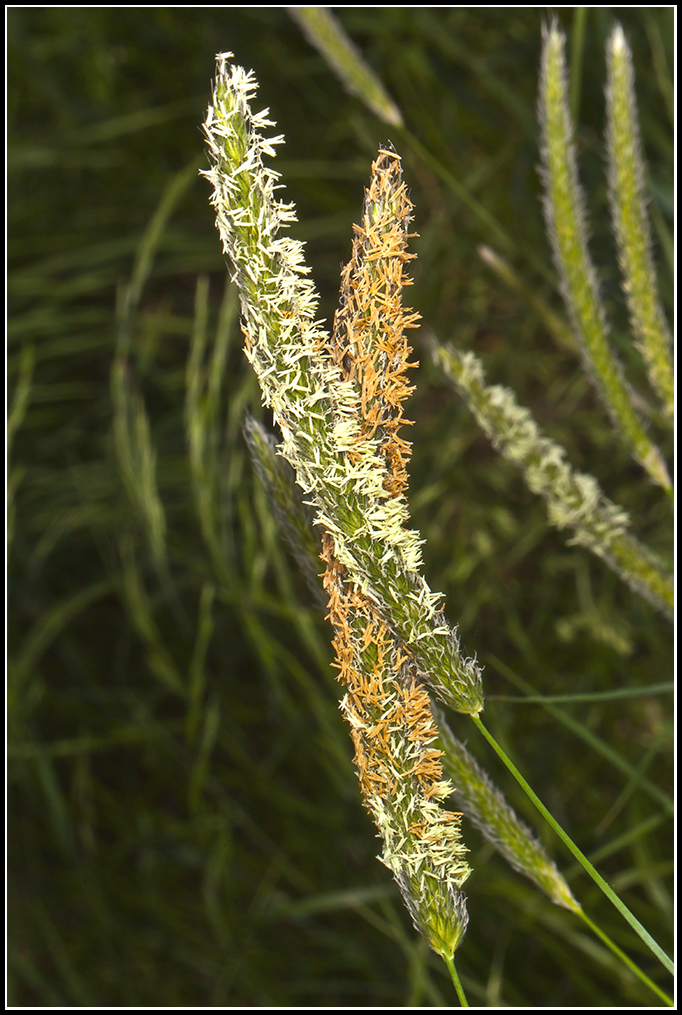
(185,826)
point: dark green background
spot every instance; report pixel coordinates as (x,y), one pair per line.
(226,861)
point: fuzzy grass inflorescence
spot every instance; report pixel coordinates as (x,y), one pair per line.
(340,415)
(335,459)
(574,499)
(630,222)
(400,773)
(566,219)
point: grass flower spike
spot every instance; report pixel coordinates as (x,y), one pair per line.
(628,211)
(567,227)
(574,499)
(337,459)
(400,773)
(387,708)
(487,809)
(324,32)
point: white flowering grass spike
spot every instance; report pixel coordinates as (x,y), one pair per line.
(338,461)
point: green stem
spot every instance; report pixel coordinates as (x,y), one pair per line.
(450,963)
(613,757)
(626,959)
(571,699)
(580,857)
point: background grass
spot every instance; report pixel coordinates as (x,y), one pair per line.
(185,825)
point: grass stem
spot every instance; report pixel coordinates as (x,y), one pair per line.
(450,963)
(625,958)
(577,853)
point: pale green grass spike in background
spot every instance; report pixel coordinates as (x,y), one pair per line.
(574,499)
(326,35)
(565,215)
(630,224)
(486,807)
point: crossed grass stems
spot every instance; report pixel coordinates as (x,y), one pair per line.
(338,403)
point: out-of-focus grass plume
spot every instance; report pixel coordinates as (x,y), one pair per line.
(566,218)
(574,500)
(630,223)
(485,806)
(326,35)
